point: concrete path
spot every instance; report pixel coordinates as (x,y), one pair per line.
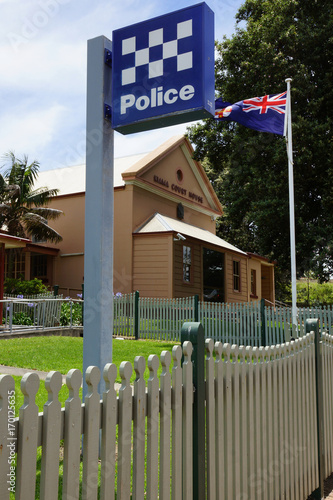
(19,372)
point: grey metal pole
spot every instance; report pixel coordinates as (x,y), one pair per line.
(291,211)
(98,257)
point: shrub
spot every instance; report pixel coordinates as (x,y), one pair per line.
(22,318)
(314,294)
(65,314)
(22,287)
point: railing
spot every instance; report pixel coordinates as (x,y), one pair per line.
(260,434)
(45,295)
(36,313)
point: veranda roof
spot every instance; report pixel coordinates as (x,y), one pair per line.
(161,223)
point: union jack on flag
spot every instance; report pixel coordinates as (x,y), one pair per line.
(265,114)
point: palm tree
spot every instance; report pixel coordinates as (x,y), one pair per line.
(22,209)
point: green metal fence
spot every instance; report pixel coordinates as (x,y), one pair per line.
(124,315)
(233,323)
(162,319)
(251,323)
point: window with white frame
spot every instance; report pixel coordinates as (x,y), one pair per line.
(253,282)
(236,275)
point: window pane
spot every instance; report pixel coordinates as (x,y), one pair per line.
(187,263)
(253,282)
(236,266)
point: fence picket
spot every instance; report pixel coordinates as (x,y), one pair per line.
(187,424)
(91,435)
(295,405)
(219,395)
(228,421)
(307,455)
(299,422)
(139,428)
(124,432)
(210,420)
(327,384)
(51,438)
(273,419)
(27,444)
(108,440)
(250,419)
(72,437)
(176,423)
(257,413)
(165,430)
(268,414)
(314,414)
(152,428)
(329,390)
(304,377)
(243,421)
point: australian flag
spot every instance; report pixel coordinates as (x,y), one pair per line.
(265,114)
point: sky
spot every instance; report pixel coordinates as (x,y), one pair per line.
(43,64)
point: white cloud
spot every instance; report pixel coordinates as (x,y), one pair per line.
(30,132)
(43,72)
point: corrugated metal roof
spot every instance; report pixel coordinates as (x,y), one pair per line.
(71,180)
(161,223)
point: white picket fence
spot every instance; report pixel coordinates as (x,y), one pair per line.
(261,427)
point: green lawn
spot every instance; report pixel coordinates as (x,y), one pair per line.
(63,354)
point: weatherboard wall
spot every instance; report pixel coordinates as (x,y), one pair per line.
(152,265)
(232,295)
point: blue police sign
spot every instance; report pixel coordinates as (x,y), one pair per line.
(163,71)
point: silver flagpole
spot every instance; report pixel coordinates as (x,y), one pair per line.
(288,135)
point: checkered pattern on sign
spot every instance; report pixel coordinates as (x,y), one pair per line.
(169,49)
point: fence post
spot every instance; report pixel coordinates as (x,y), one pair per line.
(263,322)
(11,316)
(136,315)
(194,332)
(196,308)
(82,304)
(312,325)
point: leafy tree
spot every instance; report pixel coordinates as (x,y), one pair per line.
(22,209)
(248,169)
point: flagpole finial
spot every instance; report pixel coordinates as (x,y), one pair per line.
(287,80)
